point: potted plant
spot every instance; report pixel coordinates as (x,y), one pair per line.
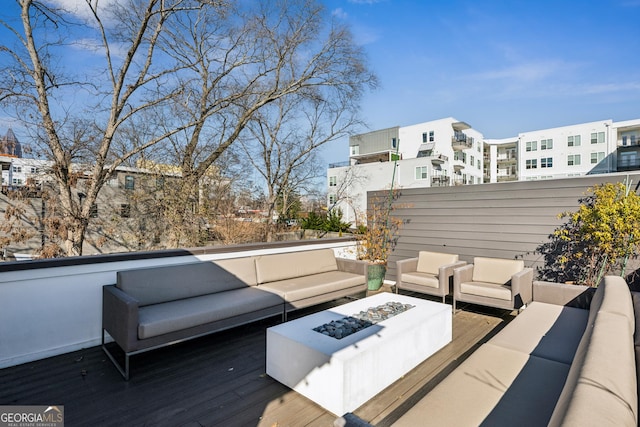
(598,239)
(378,237)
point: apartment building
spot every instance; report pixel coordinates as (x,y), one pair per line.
(450,152)
(437,153)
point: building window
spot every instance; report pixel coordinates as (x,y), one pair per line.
(546,144)
(34,170)
(573,141)
(546,162)
(333,181)
(421,172)
(424,137)
(17,168)
(17,181)
(129,182)
(354,150)
(472,160)
(432,136)
(573,160)
(597,157)
(332,199)
(93,213)
(125,211)
(532,164)
(460,156)
(531,146)
(479,165)
(597,137)
(394,142)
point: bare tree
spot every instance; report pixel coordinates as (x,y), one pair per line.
(284,140)
(121,82)
(241,64)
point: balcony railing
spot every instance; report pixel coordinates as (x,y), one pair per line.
(51,307)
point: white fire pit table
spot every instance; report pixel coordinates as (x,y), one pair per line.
(342,374)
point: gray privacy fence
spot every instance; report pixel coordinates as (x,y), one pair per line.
(503,220)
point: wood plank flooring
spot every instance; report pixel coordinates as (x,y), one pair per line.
(218,380)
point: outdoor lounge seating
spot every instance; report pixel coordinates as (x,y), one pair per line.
(429,273)
(152,307)
(493,282)
(568,359)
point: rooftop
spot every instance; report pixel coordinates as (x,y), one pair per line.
(218,380)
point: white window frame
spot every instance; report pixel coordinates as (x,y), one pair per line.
(573,160)
(531,164)
(531,146)
(422,172)
(546,162)
(546,144)
(574,141)
(333,181)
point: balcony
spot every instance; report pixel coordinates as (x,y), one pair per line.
(506,159)
(439,159)
(214,380)
(440,181)
(460,141)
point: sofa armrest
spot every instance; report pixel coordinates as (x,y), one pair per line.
(446,271)
(461,275)
(352,266)
(522,284)
(120,317)
(577,296)
(405,266)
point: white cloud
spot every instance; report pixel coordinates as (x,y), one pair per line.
(80,8)
(529,72)
(340,13)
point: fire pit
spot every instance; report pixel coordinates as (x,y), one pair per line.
(346,326)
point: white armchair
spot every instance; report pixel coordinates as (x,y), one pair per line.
(494,282)
(428,273)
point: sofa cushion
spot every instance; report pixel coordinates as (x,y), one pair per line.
(271,268)
(495,270)
(486,289)
(303,287)
(155,285)
(617,298)
(545,330)
(430,262)
(242,268)
(605,381)
(419,278)
(172,316)
(495,386)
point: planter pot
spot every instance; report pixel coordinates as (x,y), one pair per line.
(375,273)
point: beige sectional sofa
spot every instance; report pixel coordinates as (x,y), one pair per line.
(152,307)
(568,359)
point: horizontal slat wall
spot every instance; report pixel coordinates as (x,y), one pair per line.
(503,220)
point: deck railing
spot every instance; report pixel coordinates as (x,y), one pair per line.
(51,307)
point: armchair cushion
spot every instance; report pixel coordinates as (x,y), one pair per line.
(495,270)
(424,279)
(430,262)
(486,289)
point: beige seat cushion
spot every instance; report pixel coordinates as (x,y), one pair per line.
(430,262)
(545,330)
(423,279)
(486,289)
(159,319)
(299,288)
(495,386)
(495,270)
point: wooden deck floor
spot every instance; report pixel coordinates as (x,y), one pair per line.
(218,380)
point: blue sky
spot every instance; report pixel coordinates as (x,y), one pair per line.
(504,67)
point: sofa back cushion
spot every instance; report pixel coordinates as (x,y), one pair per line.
(153,285)
(495,270)
(271,268)
(601,388)
(430,262)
